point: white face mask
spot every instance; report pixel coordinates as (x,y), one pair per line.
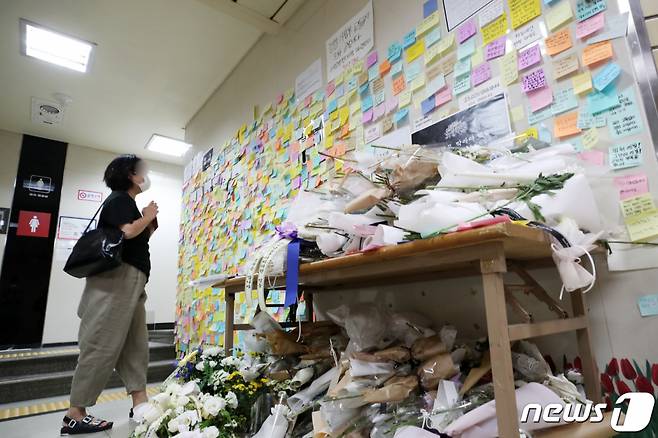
(146,184)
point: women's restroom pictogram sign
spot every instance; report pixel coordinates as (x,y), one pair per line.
(33,224)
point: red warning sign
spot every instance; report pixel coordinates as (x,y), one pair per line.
(33,224)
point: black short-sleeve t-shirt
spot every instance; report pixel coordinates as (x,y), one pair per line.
(121,209)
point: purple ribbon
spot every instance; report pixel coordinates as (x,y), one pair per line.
(288,230)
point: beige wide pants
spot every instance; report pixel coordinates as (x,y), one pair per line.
(112,334)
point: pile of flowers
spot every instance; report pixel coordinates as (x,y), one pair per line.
(210,395)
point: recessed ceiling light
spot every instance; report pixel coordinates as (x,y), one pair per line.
(54,47)
(167,145)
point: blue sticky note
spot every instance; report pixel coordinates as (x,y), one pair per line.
(366,103)
(413,70)
(606,76)
(545,134)
(648,305)
(395,51)
(624,156)
(563,101)
(466,49)
(462,84)
(625,119)
(332,106)
(599,101)
(432,36)
(429,7)
(351,83)
(428,105)
(363,88)
(588,8)
(373,72)
(409,39)
(400,115)
(462,67)
(538,116)
(396,69)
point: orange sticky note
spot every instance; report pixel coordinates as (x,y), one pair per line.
(598,52)
(384,67)
(399,84)
(559,42)
(566,125)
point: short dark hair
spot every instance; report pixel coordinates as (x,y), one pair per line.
(118,172)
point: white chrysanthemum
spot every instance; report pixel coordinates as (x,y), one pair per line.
(231,361)
(210,432)
(190,388)
(212,405)
(212,363)
(200,365)
(231,400)
(162,399)
(173,388)
(173,425)
(212,352)
(152,413)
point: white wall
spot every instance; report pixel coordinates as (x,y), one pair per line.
(10,148)
(84,170)
(271,68)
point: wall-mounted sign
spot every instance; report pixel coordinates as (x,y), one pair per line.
(89,195)
(351,42)
(458,11)
(71,228)
(33,224)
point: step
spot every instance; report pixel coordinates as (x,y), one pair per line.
(163,336)
(66,361)
(59,383)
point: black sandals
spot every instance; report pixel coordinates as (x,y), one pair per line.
(89,424)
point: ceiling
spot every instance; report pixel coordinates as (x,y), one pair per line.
(155,64)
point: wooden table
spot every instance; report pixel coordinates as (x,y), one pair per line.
(488,252)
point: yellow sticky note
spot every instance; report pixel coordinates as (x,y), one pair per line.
(522,11)
(558,15)
(431,21)
(418,83)
(495,29)
(590,138)
(404,98)
(446,43)
(478,57)
(509,67)
(355,107)
(637,205)
(517,113)
(343,115)
(528,133)
(432,54)
(415,50)
(643,227)
(582,83)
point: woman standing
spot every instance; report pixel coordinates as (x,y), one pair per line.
(113,332)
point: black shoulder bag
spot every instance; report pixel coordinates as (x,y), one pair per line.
(96,251)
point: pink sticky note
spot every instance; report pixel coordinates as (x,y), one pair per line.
(540,98)
(481,73)
(495,49)
(593,156)
(587,27)
(467,30)
(367,116)
(372,59)
(331,86)
(379,111)
(391,103)
(308,100)
(443,96)
(529,57)
(534,80)
(632,185)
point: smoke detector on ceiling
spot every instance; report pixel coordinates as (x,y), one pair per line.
(46,112)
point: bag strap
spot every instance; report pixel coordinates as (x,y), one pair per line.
(97,211)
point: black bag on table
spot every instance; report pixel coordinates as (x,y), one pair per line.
(96,251)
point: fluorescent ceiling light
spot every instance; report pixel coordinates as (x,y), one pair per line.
(56,48)
(167,145)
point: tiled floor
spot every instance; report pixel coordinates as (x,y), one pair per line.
(48,425)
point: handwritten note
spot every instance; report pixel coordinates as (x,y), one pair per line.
(540,98)
(433,37)
(538,116)
(526,35)
(637,205)
(394,52)
(462,67)
(559,42)
(596,53)
(409,39)
(625,119)
(427,24)
(533,81)
(606,76)
(594,157)
(588,8)
(529,57)
(490,12)
(648,304)
(444,96)
(466,49)
(481,73)
(565,66)
(564,100)
(477,57)
(582,83)
(522,11)
(588,27)
(587,121)
(590,138)
(404,98)
(399,84)
(566,125)
(435,84)
(624,156)
(466,30)
(415,50)
(428,105)
(509,68)
(641,228)
(495,49)
(633,185)
(598,101)
(558,15)
(401,115)
(462,84)
(495,29)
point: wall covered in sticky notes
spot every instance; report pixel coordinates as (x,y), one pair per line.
(564,66)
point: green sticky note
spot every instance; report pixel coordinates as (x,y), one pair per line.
(648,305)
